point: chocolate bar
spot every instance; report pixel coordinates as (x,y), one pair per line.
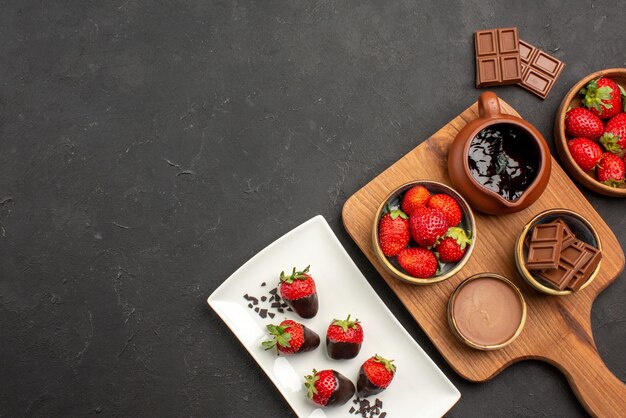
(568,235)
(539,70)
(544,248)
(586,268)
(497,57)
(576,260)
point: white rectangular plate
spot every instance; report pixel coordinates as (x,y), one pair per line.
(419,387)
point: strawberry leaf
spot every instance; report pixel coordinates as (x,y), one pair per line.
(460,236)
(309,383)
(295,275)
(395,213)
(387,363)
(345,323)
(614,183)
(610,141)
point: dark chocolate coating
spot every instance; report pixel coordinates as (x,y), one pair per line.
(344,391)
(306,307)
(311,340)
(365,387)
(341,350)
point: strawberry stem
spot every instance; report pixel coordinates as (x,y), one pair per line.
(595,97)
(345,323)
(387,363)
(281,338)
(309,383)
(295,275)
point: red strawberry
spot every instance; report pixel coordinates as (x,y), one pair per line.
(298,290)
(291,337)
(375,375)
(418,262)
(452,248)
(448,206)
(393,232)
(415,197)
(583,123)
(603,97)
(328,388)
(611,170)
(427,225)
(585,152)
(344,338)
(614,138)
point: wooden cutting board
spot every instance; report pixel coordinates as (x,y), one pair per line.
(558,328)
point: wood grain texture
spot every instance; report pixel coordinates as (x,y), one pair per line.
(558,329)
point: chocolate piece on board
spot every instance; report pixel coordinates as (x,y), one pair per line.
(586,267)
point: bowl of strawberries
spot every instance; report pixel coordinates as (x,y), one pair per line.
(590,132)
(424,232)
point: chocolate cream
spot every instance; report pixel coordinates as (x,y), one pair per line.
(487,311)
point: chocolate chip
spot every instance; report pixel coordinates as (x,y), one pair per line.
(250,305)
(256,310)
(352,409)
(273,291)
(263,313)
(263,298)
(280,310)
(271,314)
(275,305)
(262,284)
(383,415)
(378,403)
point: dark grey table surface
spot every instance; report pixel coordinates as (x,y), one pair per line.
(148,150)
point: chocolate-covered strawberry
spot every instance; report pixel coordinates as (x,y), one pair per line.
(328,388)
(298,290)
(291,337)
(375,375)
(344,338)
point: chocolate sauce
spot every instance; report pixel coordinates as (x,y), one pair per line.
(341,350)
(344,390)
(306,307)
(311,340)
(366,387)
(504,159)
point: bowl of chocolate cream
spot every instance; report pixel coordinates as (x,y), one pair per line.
(500,163)
(487,311)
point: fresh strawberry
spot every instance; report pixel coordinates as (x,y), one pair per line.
(415,197)
(580,122)
(452,248)
(603,97)
(585,152)
(427,225)
(611,170)
(418,262)
(375,376)
(298,290)
(393,232)
(291,337)
(328,388)
(614,138)
(344,338)
(448,206)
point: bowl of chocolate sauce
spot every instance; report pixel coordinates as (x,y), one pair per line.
(500,163)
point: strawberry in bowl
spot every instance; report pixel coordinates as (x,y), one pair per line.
(424,232)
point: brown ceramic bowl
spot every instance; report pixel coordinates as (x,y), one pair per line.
(480,197)
(447,270)
(579,225)
(572,99)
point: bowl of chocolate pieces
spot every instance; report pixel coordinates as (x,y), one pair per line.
(558,252)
